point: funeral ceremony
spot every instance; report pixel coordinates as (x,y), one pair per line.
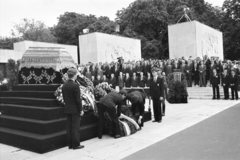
(119,80)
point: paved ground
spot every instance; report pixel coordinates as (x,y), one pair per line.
(178,117)
(216,138)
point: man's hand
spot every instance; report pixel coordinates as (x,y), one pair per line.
(82,113)
(161,98)
(140,120)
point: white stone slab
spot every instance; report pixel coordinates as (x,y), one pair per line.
(99,47)
(194,39)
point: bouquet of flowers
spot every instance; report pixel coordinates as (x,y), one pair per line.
(102,89)
(86,88)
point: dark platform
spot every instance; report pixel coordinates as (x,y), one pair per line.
(32,119)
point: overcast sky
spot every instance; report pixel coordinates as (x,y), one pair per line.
(47,11)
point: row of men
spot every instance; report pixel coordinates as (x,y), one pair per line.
(228,81)
(73,106)
(198,72)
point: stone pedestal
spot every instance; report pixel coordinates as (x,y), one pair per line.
(99,47)
(194,39)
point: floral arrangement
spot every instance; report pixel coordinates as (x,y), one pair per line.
(86,88)
(102,89)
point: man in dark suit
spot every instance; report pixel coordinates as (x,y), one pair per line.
(225,83)
(73,109)
(215,79)
(234,85)
(134,80)
(137,100)
(156,94)
(112,81)
(189,69)
(195,73)
(127,81)
(108,104)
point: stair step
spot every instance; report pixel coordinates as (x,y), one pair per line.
(42,143)
(32,112)
(29,94)
(32,125)
(36,87)
(29,101)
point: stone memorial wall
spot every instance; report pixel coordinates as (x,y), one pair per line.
(194,39)
(100,47)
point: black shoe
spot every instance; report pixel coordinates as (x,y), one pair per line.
(159,121)
(99,137)
(70,148)
(154,121)
(117,136)
(78,147)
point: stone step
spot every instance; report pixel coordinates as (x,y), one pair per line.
(29,101)
(32,125)
(36,87)
(42,143)
(29,94)
(32,112)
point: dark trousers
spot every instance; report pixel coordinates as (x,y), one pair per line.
(112,112)
(189,79)
(196,78)
(226,92)
(73,133)
(234,91)
(215,88)
(136,112)
(157,109)
(202,78)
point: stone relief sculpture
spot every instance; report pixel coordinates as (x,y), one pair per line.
(209,45)
(112,52)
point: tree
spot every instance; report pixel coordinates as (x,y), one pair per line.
(33,30)
(147,21)
(70,26)
(231,29)
(7,43)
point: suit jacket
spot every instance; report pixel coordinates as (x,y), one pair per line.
(142,81)
(148,81)
(111,100)
(120,81)
(71,97)
(215,80)
(225,80)
(134,82)
(156,88)
(202,69)
(127,82)
(183,68)
(168,69)
(234,81)
(141,101)
(189,68)
(113,81)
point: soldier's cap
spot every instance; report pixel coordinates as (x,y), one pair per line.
(123,91)
(72,71)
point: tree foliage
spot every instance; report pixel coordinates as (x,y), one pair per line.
(231,29)
(7,43)
(71,25)
(33,30)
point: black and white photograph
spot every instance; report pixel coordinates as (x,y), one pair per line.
(119,79)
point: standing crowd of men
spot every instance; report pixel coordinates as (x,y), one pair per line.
(199,72)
